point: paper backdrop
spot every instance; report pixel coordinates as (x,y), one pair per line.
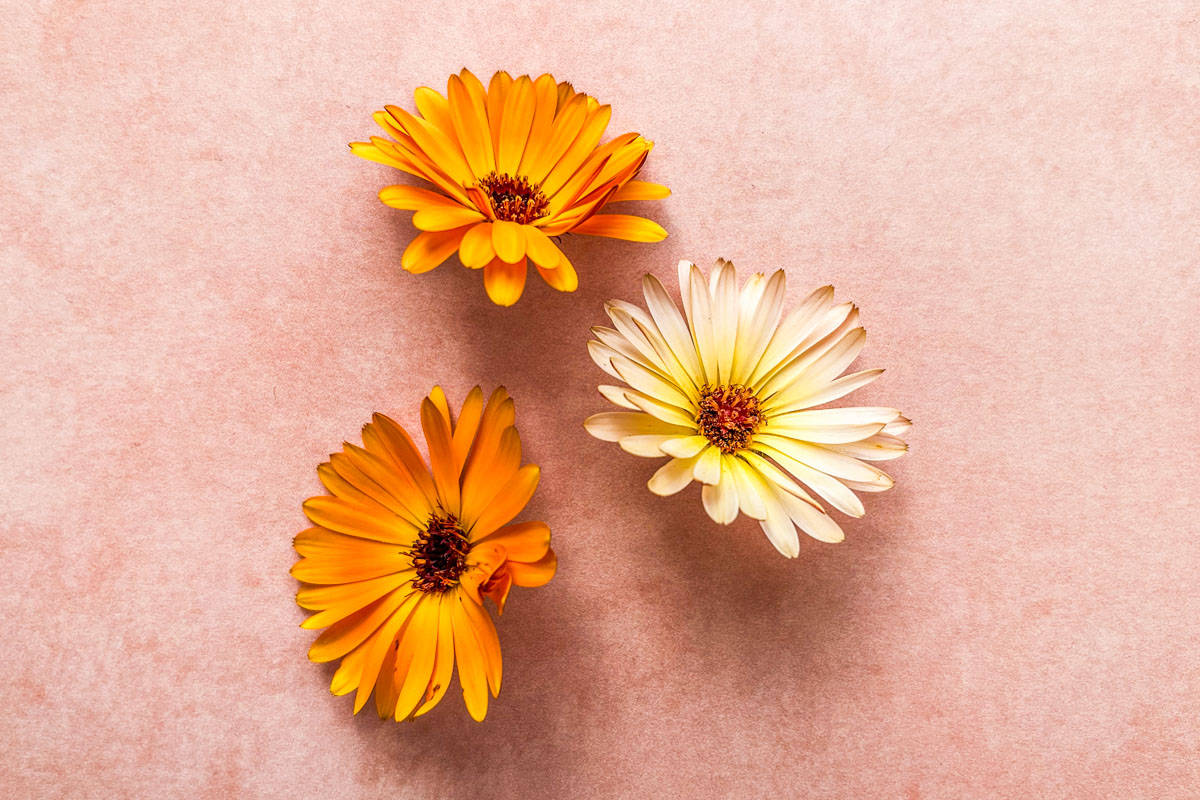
(202,298)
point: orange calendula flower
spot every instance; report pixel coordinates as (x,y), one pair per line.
(399,559)
(512,166)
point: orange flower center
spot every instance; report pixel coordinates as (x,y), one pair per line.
(729,416)
(440,554)
(514,198)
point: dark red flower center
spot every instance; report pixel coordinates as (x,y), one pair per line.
(514,198)
(440,554)
(729,416)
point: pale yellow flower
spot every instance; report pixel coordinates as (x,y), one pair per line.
(729,391)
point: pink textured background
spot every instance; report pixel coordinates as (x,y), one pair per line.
(201,298)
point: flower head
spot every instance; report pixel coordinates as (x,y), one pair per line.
(512,166)
(400,557)
(729,389)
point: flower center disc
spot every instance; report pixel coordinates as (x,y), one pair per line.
(440,554)
(729,416)
(514,198)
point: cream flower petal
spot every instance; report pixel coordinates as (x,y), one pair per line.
(612,426)
(673,476)
(825,486)
(777,524)
(818,360)
(616,396)
(817,457)
(756,327)
(800,399)
(647,445)
(708,466)
(643,335)
(812,520)
(816,318)
(750,498)
(793,331)
(721,499)
(778,476)
(603,355)
(647,382)
(857,415)
(880,447)
(685,446)
(671,325)
(664,411)
(698,304)
(723,289)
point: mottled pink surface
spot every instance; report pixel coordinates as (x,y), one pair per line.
(202,298)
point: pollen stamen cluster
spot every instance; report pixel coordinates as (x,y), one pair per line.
(440,554)
(514,198)
(728,416)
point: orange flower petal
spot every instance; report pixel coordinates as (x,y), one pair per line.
(498,587)
(436,109)
(443,218)
(489,642)
(487,475)
(535,574)
(416,653)
(580,149)
(546,102)
(567,124)
(390,480)
(475,250)
(379,650)
(346,634)
(429,249)
(563,277)
(472,673)
(469,118)
(468,425)
(541,250)
(322,598)
(522,541)
(497,94)
(517,118)
(414,198)
(508,502)
(504,282)
(342,516)
(508,241)
(398,445)
(338,486)
(640,190)
(436,145)
(622,226)
(441,456)
(345,680)
(443,662)
(330,571)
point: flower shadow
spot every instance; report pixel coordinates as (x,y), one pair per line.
(543,719)
(529,737)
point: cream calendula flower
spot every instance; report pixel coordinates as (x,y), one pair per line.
(511,167)
(729,391)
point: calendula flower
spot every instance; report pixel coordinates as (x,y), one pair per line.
(399,559)
(512,167)
(728,390)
